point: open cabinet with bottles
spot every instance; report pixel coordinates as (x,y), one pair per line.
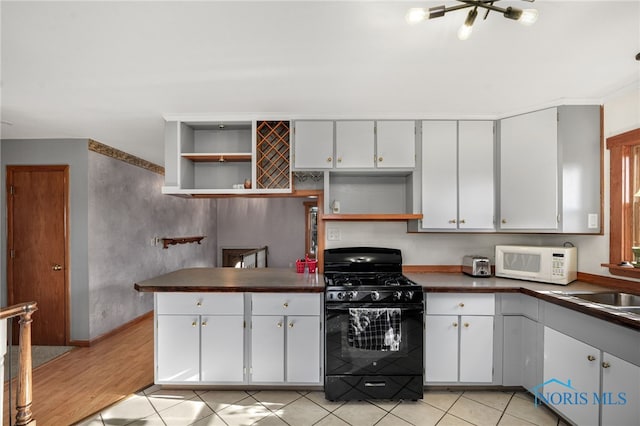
(208,157)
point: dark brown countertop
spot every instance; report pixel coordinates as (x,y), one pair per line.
(449,283)
(287,280)
(234,280)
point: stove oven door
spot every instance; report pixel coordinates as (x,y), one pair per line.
(374,339)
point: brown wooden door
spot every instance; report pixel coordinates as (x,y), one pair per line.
(37,264)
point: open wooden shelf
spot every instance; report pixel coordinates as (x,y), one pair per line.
(384,217)
(231,157)
(166,242)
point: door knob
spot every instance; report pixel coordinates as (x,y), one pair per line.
(56,267)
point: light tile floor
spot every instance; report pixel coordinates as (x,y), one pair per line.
(156,406)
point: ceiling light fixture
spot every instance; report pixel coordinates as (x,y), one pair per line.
(524,16)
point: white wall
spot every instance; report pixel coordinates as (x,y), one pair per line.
(622,113)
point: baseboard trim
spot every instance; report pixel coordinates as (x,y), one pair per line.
(91,342)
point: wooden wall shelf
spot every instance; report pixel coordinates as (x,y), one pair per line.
(166,242)
(388,217)
(220,158)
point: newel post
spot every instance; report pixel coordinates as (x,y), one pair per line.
(24,416)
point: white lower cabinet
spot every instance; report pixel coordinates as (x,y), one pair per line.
(285,338)
(178,348)
(199,338)
(583,383)
(267,348)
(222,349)
(459,348)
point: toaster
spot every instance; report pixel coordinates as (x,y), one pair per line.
(476,266)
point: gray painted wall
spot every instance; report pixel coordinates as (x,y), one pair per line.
(116,210)
(254,222)
(73,152)
(127,212)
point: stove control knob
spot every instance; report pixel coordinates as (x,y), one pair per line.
(340,295)
(352,295)
(375,295)
(409,295)
(397,295)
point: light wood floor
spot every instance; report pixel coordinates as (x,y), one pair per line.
(86,380)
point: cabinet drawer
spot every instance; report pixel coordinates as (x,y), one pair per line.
(285,304)
(200,303)
(460,304)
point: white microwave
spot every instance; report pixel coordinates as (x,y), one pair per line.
(554,265)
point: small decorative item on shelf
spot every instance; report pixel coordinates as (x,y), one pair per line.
(636,256)
(300,265)
(247,184)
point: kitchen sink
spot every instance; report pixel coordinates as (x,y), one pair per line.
(611,298)
(631,309)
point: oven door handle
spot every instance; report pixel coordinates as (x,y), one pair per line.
(374,384)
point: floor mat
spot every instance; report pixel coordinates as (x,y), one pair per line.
(39,356)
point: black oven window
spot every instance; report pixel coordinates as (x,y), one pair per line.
(375,329)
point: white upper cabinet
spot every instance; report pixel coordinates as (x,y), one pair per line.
(355,144)
(457,175)
(439,174)
(313,145)
(359,144)
(396,144)
(475,175)
(529,171)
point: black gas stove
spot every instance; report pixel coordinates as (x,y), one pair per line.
(374,326)
(372,288)
(367,274)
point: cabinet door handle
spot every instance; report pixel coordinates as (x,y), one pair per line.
(329,159)
(606,365)
(339,159)
(279,325)
(193,324)
(380,159)
(462,221)
(204,323)
(290,325)
(56,267)
(461,304)
(286,304)
(466,324)
(198,303)
(452,221)
(455,324)
(503,221)
(591,358)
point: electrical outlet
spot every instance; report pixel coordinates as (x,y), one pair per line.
(333,234)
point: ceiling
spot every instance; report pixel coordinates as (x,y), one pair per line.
(110,71)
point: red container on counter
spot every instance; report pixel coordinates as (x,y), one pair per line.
(311,264)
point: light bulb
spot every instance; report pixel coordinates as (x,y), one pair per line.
(464,32)
(415,15)
(528,17)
